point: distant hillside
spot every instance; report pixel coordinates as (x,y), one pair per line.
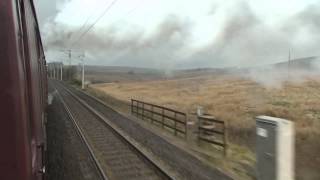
(122,69)
(305,63)
(109,74)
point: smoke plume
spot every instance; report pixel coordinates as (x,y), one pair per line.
(244,39)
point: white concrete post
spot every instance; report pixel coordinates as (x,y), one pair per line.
(83,73)
(54,72)
(61,69)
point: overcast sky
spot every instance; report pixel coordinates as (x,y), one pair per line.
(181,33)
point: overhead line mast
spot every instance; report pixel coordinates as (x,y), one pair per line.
(69,51)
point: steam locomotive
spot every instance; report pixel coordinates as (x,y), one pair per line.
(23,93)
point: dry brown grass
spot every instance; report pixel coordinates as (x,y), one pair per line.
(237,101)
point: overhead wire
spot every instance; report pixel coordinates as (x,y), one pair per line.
(95,22)
(83,26)
(126,14)
(107,9)
(85,23)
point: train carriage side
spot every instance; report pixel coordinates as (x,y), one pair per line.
(22,93)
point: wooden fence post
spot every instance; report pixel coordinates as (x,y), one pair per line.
(185,126)
(225,139)
(175,123)
(138,108)
(152,114)
(142,111)
(199,129)
(162,118)
(208,126)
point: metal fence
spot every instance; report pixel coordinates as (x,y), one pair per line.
(213,131)
(168,118)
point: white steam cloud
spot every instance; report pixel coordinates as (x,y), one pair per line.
(241,38)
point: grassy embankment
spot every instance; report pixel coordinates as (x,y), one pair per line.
(237,101)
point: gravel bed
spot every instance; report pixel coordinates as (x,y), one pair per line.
(119,160)
(67,158)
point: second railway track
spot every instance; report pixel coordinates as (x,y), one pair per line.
(117,157)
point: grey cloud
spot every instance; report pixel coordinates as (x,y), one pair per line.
(47,10)
(246,40)
(131,49)
(243,40)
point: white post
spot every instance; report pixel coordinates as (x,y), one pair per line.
(83,73)
(61,71)
(54,72)
(69,54)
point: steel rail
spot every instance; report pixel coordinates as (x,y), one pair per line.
(83,139)
(120,134)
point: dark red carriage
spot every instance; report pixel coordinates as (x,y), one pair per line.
(23,93)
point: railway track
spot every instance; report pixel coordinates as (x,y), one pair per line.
(179,163)
(116,157)
(89,165)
